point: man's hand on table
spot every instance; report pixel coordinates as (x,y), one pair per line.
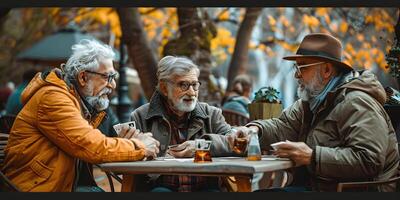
(184,150)
(151,145)
(298,152)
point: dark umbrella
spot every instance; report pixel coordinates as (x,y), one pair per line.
(56,48)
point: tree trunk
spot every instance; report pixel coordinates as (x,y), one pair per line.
(240,54)
(195,33)
(139,51)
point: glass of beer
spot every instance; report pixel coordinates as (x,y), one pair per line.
(202,153)
(240,145)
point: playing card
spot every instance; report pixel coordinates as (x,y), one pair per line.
(275,146)
(118,127)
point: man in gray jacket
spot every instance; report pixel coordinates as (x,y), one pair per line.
(338,130)
(175,116)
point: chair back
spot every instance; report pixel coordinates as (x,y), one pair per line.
(235,118)
(5,183)
(6,122)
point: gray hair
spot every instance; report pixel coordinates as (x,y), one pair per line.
(86,55)
(175,65)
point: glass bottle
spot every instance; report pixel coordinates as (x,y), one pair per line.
(253,149)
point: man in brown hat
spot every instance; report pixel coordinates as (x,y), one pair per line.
(338,130)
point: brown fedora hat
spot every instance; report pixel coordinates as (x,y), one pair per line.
(321,46)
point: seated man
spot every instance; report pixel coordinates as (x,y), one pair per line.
(174,116)
(56,129)
(338,130)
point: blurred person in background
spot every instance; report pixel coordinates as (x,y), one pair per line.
(239,97)
(14,104)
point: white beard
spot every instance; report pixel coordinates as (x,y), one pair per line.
(98,102)
(180,104)
(307,92)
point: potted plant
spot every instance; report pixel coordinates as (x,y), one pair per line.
(266,104)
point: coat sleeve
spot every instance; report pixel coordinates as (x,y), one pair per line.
(220,130)
(60,120)
(365,135)
(286,127)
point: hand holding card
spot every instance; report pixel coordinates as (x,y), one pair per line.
(275,146)
(126,130)
(118,127)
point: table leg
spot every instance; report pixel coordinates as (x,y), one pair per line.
(243,183)
(128,183)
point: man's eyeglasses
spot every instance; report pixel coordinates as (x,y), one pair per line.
(184,85)
(108,77)
(298,67)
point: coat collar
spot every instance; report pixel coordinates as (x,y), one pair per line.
(157,109)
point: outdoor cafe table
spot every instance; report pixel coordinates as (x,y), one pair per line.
(238,167)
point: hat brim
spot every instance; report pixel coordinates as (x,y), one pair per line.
(322,58)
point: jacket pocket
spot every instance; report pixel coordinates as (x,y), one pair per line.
(34,175)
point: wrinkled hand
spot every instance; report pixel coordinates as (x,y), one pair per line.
(298,152)
(239,132)
(151,144)
(128,132)
(186,149)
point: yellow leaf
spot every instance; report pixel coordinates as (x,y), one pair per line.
(310,21)
(214,44)
(366,45)
(78,19)
(369,19)
(224,15)
(284,20)
(262,47)
(321,11)
(151,34)
(360,37)
(349,47)
(116,30)
(343,27)
(252,45)
(270,52)
(327,19)
(157,14)
(230,49)
(271,20)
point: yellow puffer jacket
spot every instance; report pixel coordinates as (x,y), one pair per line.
(50,134)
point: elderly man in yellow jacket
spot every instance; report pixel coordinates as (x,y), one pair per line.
(56,129)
